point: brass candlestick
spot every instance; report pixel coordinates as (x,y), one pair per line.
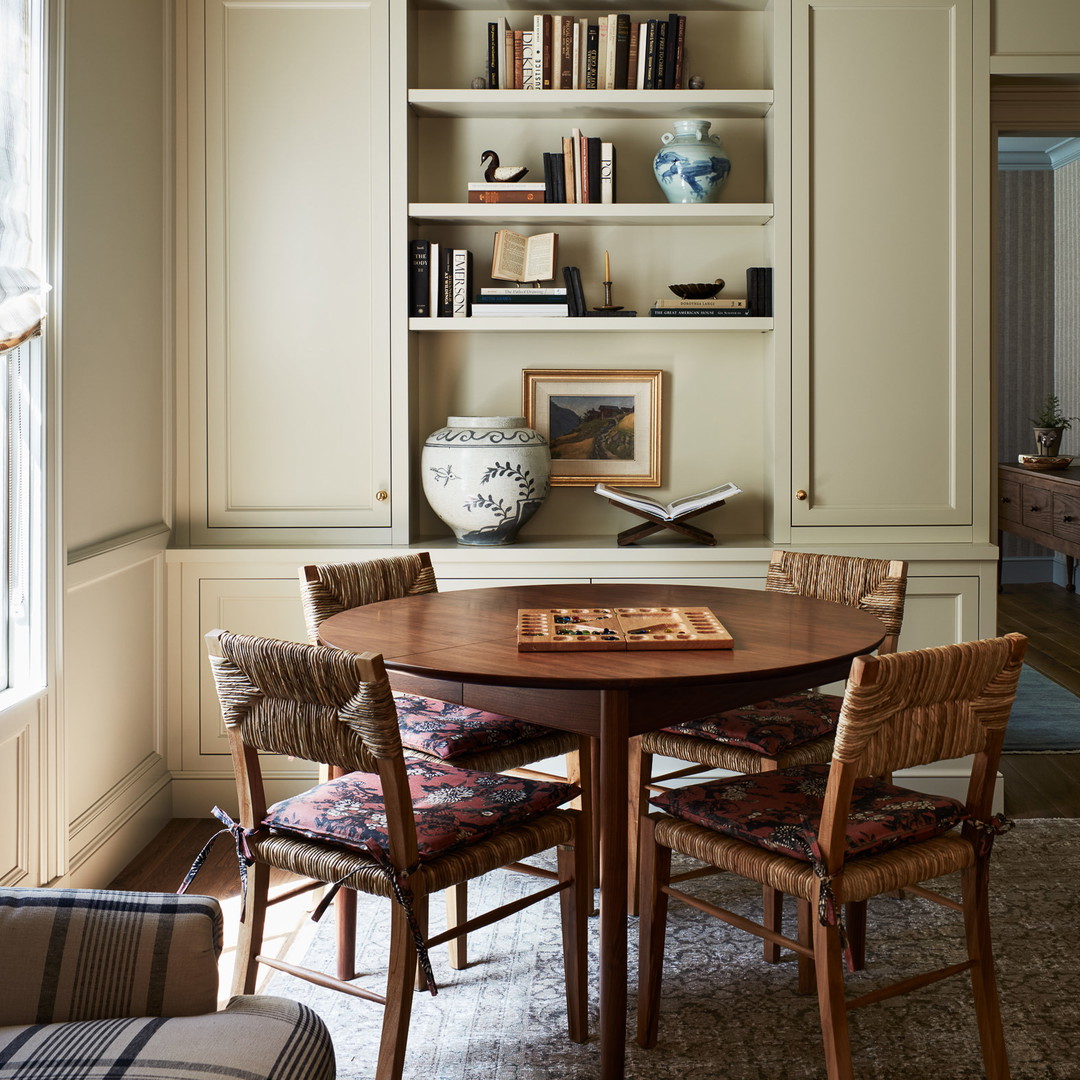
(608,305)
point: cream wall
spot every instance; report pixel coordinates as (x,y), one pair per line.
(115,331)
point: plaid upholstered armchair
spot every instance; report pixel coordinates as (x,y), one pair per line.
(124,984)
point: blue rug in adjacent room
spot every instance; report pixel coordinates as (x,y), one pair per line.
(1045,718)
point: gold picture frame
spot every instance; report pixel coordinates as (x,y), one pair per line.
(573,408)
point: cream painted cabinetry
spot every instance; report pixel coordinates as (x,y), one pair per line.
(889,355)
(288,401)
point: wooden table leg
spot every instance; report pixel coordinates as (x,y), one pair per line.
(613,796)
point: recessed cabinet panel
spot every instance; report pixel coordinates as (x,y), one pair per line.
(297,244)
(882,281)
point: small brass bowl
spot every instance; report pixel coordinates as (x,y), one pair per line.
(703,290)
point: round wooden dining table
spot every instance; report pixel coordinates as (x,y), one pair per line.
(462,646)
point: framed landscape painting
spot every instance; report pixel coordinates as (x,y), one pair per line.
(600,425)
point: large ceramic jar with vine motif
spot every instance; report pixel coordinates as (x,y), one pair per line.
(485,476)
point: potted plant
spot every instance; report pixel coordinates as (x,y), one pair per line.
(1049,426)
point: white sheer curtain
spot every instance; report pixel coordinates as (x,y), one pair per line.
(22,289)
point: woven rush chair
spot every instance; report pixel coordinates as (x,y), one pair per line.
(830,835)
(102,983)
(470,738)
(796,729)
(388,826)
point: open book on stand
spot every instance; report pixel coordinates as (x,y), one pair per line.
(673,510)
(674,515)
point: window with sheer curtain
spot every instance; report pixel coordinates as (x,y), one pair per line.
(22,311)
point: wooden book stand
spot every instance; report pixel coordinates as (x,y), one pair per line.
(656,524)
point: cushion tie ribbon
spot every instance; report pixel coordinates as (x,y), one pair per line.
(244,858)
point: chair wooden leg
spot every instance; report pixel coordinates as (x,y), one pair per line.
(807,968)
(576,903)
(975,885)
(399,994)
(829,968)
(249,942)
(639,774)
(594,787)
(457,912)
(855,923)
(772,903)
(420,910)
(579,770)
(345,920)
(652,929)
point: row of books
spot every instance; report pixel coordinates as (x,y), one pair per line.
(565,52)
(583,171)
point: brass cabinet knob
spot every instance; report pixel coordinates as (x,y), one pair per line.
(382,496)
(800,495)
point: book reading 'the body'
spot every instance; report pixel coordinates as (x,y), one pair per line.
(524,258)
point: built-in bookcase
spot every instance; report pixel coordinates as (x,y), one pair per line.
(717,411)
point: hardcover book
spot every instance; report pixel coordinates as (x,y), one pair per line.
(621,54)
(592,46)
(607,172)
(446,283)
(462,283)
(524,258)
(528,61)
(419,279)
(508,195)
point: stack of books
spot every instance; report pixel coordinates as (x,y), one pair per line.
(567,52)
(582,171)
(520,302)
(722,308)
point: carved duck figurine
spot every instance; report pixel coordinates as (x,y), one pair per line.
(502,174)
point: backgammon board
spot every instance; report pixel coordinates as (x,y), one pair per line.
(621,628)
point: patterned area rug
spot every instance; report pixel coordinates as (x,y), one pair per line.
(1045,718)
(727,1014)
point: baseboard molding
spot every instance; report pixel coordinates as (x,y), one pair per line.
(1032,569)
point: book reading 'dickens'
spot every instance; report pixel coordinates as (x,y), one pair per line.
(524,258)
(672,511)
(619,629)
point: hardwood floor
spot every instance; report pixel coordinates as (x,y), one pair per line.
(1036,785)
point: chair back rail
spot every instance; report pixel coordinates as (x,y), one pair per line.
(917,707)
(875,585)
(329,588)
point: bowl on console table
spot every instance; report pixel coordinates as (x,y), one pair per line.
(1044,464)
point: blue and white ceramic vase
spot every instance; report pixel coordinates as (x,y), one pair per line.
(485,476)
(693,166)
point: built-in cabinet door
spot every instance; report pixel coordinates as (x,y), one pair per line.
(882,281)
(297,367)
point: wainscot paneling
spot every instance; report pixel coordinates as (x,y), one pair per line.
(117,782)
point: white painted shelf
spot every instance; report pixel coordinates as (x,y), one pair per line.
(598,104)
(555,324)
(693,214)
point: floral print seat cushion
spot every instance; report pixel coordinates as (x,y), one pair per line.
(444,730)
(769,727)
(452,807)
(780,811)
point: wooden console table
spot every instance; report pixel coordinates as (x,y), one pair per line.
(1044,507)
